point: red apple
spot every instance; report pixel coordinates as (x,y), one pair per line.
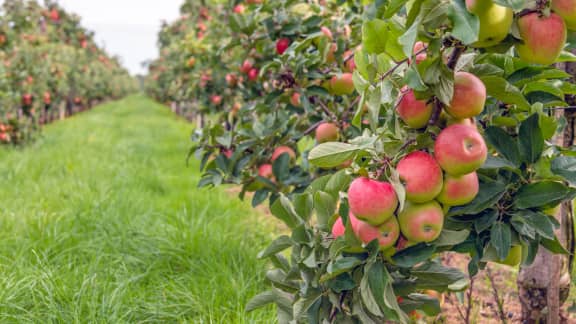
(216,100)
(327,32)
(372,201)
(191,62)
(327,132)
(282,45)
(253,74)
(341,85)
(246,66)
(419,46)
(459,190)
(460,149)
(421,222)
(350,63)
(265,171)
(295,99)
(415,113)
(544,38)
(567,10)
(421,175)
(469,96)
(281,150)
(387,234)
(239,9)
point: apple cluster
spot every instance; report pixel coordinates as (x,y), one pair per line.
(433,180)
(543,35)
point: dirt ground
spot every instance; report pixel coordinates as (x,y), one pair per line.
(484,307)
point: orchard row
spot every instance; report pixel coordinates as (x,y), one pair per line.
(50,68)
(382,134)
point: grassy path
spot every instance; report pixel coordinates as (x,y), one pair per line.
(100,221)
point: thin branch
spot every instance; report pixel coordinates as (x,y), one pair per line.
(395,67)
(327,110)
(312,128)
(455,56)
(499,302)
(469,295)
(560,108)
(350,108)
(436,111)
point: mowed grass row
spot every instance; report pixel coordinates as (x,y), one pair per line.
(101,221)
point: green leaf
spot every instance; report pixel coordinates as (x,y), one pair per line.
(539,222)
(542,194)
(500,89)
(531,139)
(466,26)
(283,209)
(413,255)
(504,144)
(281,167)
(408,39)
(435,276)
(261,300)
(338,182)
(325,206)
(554,246)
(449,237)
(501,239)
(566,56)
(302,305)
(332,154)
(485,221)
(565,166)
(429,305)
(342,265)
(278,245)
(374,36)
(259,197)
(489,194)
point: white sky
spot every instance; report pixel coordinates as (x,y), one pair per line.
(127,28)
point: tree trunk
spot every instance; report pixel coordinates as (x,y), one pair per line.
(545,285)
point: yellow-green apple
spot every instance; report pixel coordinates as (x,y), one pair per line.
(459,190)
(469,96)
(460,149)
(421,176)
(514,256)
(265,171)
(567,10)
(281,150)
(327,132)
(282,45)
(372,201)
(421,222)
(495,21)
(253,74)
(543,38)
(342,84)
(295,99)
(387,234)
(415,113)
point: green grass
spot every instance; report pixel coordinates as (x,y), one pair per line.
(101,222)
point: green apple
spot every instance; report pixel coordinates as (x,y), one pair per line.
(567,10)
(495,21)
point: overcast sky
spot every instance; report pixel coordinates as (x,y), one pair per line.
(127,28)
